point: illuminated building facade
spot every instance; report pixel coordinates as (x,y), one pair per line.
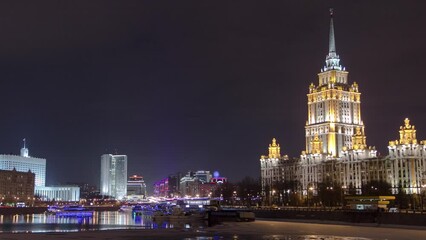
(16,187)
(161,188)
(189,185)
(271,165)
(336,145)
(203,176)
(199,184)
(24,163)
(58,193)
(334,107)
(86,189)
(136,186)
(114,175)
(407,160)
(168,187)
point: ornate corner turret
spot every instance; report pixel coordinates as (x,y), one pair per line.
(354,87)
(312,88)
(359,140)
(407,133)
(316,145)
(274,149)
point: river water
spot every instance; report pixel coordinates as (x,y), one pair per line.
(99,221)
(47,223)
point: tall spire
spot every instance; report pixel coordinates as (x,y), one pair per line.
(332,60)
(332,43)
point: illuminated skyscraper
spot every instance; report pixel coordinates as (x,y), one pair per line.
(114,175)
(336,150)
(334,131)
(23,163)
(334,107)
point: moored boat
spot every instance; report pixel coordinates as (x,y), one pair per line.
(178,215)
(74,211)
(126,208)
(53,209)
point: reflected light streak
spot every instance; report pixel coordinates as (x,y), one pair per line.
(99,221)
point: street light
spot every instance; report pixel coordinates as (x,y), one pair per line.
(273,196)
(309,190)
(332,195)
(423,191)
(288,197)
(423,188)
(342,194)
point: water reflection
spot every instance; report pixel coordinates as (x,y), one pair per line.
(99,221)
(274,237)
(116,220)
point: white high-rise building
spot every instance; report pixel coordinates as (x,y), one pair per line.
(114,175)
(25,163)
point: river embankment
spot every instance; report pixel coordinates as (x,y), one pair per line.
(401,218)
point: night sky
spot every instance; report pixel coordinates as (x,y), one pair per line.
(180,85)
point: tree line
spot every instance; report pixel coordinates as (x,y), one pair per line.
(248,192)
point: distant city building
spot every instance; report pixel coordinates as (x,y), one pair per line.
(86,189)
(25,163)
(199,184)
(203,176)
(217,178)
(16,187)
(58,193)
(336,147)
(207,189)
(114,175)
(174,185)
(189,185)
(168,187)
(161,188)
(136,186)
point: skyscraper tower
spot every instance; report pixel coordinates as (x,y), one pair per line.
(114,175)
(334,106)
